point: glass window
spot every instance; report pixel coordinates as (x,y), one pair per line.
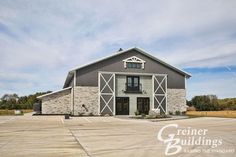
(134,65)
(133,83)
(136,81)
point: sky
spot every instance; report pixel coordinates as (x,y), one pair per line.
(40,41)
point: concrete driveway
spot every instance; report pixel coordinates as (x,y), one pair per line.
(105,136)
(36,136)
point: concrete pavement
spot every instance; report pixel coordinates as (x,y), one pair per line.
(36,136)
(108,136)
(102,136)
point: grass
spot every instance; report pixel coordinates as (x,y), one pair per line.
(223,114)
(12,112)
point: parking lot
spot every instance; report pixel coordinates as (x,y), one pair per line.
(102,136)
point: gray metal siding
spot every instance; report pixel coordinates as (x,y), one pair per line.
(88,76)
(71,82)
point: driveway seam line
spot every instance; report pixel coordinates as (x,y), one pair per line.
(77,140)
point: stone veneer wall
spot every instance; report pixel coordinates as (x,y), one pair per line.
(87,96)
(176,100)
(57,103)
(60,103)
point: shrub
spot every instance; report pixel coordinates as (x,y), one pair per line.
(143,115)
(80,113)
(170,113)
(177,112)
(191,108)
(163,116)
(136,113)
(91,114)
(150,117)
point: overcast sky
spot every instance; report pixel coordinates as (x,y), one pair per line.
(40,41)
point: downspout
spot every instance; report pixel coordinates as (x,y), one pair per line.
(73,100)
(185,86)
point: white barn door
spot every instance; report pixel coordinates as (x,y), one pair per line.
(106,83)
(160,92)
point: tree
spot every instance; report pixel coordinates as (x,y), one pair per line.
(12,101)
(10,96)
(205,103)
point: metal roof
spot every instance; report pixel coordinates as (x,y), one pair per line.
(41,96)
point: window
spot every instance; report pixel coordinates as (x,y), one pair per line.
(134,62)
(134,65)
(132,84)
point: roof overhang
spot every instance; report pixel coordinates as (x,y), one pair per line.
(70,76)
(48,94)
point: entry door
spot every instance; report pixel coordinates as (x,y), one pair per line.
(143,105)
(122,106)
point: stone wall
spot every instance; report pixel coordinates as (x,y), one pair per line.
(85,100)
(57,103)
(176,100)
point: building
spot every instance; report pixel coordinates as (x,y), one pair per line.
(121,84)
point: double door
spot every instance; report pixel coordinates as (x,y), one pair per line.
(122,106)
(143,105)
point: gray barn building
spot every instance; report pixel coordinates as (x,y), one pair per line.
(127,81)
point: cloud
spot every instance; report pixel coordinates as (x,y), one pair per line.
(221,84)
(213,55)
(47,38)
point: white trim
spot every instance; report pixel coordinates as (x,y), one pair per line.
(41,96)
(153,92)
(71,99)
(132,73)
(107,93)
(74,78)
(114,94)
(164,91)
(133,59)
(106,84)
(106,103)
(99,93)
(185,86)
(112,91)
(166,94)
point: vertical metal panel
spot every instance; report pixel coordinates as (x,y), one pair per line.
(87,76)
